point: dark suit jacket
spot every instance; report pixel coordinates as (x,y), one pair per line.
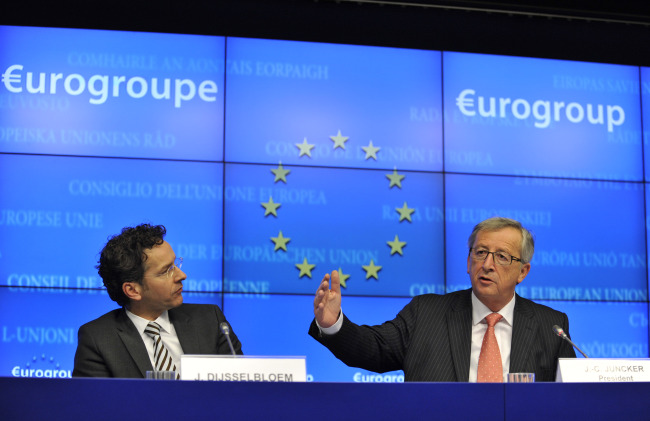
(430,339)
(111,346)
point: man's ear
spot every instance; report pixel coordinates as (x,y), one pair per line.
(523,272)
(132,290)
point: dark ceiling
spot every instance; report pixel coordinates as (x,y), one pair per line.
(606,10)
(605,31)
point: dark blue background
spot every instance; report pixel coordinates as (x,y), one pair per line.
(579,187)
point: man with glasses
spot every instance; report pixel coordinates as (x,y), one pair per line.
(153,328)
(475,335)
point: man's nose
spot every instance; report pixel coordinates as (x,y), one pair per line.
(181,276)
(489,261)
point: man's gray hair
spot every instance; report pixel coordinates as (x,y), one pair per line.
(498,223)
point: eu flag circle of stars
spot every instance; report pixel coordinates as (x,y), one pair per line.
(281,241)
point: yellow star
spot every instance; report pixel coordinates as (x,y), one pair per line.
(280,173)
(396,246)
(405,213)
(371,151)
(339,141)
(343,278)
(281,242)
(270,207)
(371,270)
(305,268)
(395,179)
(305,148)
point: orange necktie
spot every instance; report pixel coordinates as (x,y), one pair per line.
(489,361)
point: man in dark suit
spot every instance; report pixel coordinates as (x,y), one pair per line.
(143,275)
(440,337)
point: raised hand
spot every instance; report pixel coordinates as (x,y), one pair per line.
(327,304)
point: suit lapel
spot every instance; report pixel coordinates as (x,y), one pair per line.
(188,334)
(523,336)
(133,342)
(459,325)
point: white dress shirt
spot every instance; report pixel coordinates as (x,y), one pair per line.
(167,335)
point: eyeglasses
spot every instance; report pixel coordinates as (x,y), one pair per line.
(500,257)
(178,262)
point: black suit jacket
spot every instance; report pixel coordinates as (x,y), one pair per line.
(111,346)
(430,339)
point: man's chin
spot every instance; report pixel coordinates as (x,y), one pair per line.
(178,301)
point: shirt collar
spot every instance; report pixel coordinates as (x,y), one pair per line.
(480,310)
(141,323)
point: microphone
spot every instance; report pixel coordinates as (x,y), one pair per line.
(560,332)
(225,329)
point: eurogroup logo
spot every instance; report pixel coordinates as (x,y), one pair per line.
(41,366)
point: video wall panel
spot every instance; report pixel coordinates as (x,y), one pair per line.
(39,328)
(583,241)
(274,162)
(645,105)
(607,330)
(55,224)
(382,238)
(101,93)
(333,105)
(280,329)
(539,117)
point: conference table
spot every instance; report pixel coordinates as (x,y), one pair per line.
(125,399)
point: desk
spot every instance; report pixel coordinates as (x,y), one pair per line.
(113,399)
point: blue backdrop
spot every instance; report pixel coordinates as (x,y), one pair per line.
(274,162)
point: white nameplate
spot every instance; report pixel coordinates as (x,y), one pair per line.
(602,370)
(243,368)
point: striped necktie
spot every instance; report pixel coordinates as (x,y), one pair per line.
(489,361)
(161,356)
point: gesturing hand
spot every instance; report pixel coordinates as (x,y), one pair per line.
(327,304)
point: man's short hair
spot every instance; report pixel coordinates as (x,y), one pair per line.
(498,223)
(122,258)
